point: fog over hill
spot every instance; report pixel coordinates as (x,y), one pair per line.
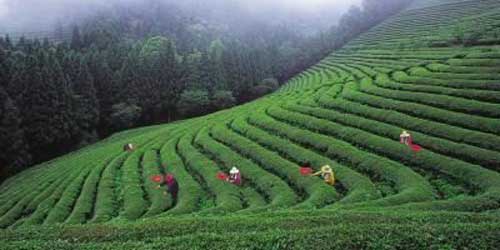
(305,15)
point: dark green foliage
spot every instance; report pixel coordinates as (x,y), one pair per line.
(13,152)
(223,100)
(85,104)
(193,102)
(125,115)
(46,110)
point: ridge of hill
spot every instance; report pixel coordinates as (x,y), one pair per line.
(432,69)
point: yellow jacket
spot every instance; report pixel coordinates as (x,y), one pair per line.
(327,174)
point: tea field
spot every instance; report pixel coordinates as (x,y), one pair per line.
(433,69)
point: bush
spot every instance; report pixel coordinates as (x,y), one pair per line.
(193,103)
(222,100)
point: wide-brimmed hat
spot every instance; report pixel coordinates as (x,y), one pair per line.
(405,133)
(234,170)
(326,168)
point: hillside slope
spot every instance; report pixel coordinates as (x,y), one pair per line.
(433,70)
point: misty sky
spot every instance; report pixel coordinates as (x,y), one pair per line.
(34,15)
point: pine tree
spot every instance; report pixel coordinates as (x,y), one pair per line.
(76,39)
(85,103)
(14,155)
(47,110)
(216,66)
(4,68)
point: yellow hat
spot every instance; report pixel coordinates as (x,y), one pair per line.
(326,168)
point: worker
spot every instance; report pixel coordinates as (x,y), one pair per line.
(172,186)
(128,147)
(327,175)
(234,176)
(405,138)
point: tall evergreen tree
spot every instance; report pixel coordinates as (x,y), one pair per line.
(13,147)
(47,114)
(217,70)
(85,104)
(4,68)
(76,39)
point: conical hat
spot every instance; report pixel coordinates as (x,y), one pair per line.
(326,168)
(405,133)
(234,170)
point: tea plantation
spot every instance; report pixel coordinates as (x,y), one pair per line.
(433,69)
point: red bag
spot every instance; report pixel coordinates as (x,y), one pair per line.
(157,178)
(222,176)
(305,171)
(416,148)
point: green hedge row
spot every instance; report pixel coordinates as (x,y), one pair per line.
(279,194)
(9,192)
(35,204)
(424,72)
(379,113)
(459,150)
(452,118)
(38,208)
(83,209)
(227,197)
(401,76)
(487,181)
(106,206)
(62,209)
(410,236)
(190,191)
(132,194)
(439,67)
(17,194)
(411,186)
(292,231)
(151,166)
(318,193)
(252,197)
(462,105)
(474,62)
(480,95)
(359,187)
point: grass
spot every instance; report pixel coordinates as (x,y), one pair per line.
(418,71)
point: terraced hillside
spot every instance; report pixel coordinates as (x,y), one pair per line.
(427,70)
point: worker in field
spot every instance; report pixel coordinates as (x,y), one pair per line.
(405,138)
(129,147)
(234,176)
(327,174)
(172,186)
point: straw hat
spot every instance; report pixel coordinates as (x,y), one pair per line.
(234,170)
(405,133)
(326,168)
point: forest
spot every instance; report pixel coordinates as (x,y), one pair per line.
(151,63)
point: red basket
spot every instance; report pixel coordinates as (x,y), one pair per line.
(306,171)
(222,176)
(416,148)
(157,178)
